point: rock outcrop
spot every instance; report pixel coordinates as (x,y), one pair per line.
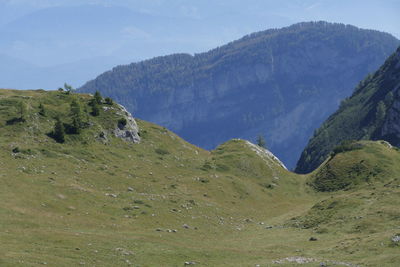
(128,131)
(265,154)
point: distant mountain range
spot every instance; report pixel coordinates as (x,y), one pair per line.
(281,83)
(371,113)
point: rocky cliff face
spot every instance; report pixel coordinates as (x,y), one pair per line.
(128,130)
(279,83)
(372,113)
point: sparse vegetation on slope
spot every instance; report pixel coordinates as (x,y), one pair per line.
(99,200)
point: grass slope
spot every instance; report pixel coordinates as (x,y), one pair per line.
(164,202)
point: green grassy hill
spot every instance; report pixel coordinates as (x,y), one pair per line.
(98,200)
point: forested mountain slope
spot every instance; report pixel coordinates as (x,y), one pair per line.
(371,113)
(281,83)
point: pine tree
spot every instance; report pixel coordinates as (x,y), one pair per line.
(261,141)
(42,110)
(68,88)
(59,131)
(95,109)
(86,114)
(98,98)
(76,115)
(109,101)
(22,110)
(95,103)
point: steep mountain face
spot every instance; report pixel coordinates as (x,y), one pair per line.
(372,112)
(280,83)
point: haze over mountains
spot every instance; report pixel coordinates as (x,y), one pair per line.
(279,83)
(60,35)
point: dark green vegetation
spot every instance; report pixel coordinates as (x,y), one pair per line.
(97,200)
(371,113)
(281,83)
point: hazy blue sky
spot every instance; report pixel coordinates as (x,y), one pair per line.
(47,42)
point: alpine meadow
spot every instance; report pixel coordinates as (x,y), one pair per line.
(277,148)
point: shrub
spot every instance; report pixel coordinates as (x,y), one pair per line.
(261,141)
(122,123)
(42,111)
(207,166)
(347,145)
(59,131)
(68,88)
(95,109)
(22,110)
(161,151)
(76,115)
(98,98)
(204,180)
(109,101)
(222,168)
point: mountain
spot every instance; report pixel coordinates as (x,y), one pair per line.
(370,113)
(125,192)
(281,83)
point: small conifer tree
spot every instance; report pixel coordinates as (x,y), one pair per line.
(95,109)
(76,115)
(68,88)
(59,131)
(261,141)
(86,114)
(109,101)
(42,110)
(22,110)
(98,98)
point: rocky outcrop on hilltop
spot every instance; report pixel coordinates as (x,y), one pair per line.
(127,129)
